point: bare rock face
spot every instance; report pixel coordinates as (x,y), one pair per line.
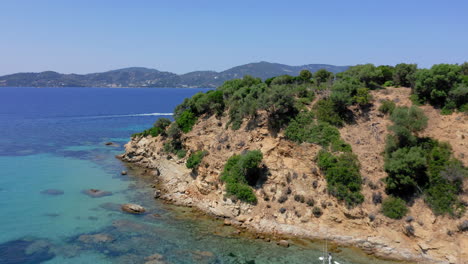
(133,208)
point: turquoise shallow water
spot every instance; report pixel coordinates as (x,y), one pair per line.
(54,139)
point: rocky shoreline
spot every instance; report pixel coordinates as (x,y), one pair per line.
(174,183)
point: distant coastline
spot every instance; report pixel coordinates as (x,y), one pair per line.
(139,77)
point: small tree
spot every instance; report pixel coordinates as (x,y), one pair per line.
(305,75)
(403,74)
(322,76)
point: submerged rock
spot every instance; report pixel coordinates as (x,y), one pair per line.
(95,193)
(133,208)
(25,251)
(155,259)
(52,192)
(95,239)
(110,206)
(111,144)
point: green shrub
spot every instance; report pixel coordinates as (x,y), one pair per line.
(368,74)
(418,166)
(316,211)
(326,160)
(342,175)
(175,147)
(181,153)
(326,112)
(159,128)
(394,208)
(406,169)
(186,121)
(305,129)
(387,107)
(388,84)
(411,118)
(305,75)
(195,159)
(322,76)
(403,74)
(442,198)
(339,145)
(362,97)
(239,172)
(436,84)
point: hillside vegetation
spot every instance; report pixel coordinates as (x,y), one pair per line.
(311,108)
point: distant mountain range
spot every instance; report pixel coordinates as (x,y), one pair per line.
(144,77)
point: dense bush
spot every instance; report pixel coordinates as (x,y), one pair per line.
(394,208)
(371,76)
(362,97)
(342,175)
(406,169)
(387,107)
(195,159)
(403,74)
(326,111)
(418,166)
(175,146)
(159,128)
(304,128)
(239,172)
(322,76)
(441,86)
(186,120)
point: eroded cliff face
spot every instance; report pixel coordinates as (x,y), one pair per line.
(292,175)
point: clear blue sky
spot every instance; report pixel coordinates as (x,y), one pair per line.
(181,36)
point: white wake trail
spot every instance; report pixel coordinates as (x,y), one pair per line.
(128,115)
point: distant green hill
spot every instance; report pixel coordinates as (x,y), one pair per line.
(144,77)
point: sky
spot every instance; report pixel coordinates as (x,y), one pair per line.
(181,36)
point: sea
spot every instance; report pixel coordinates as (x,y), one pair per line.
(52,149)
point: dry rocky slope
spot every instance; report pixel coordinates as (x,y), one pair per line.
(292,171)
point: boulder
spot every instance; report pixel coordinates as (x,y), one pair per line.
(124,172)
(95,193)
(157,194)
(111,144)
(283,243)
(133,208)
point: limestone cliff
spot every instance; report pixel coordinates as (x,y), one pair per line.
(293,174)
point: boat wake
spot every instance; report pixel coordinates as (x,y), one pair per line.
(127,115)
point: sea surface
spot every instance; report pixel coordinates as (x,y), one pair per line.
(52,148)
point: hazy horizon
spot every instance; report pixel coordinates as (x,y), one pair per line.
(184,36)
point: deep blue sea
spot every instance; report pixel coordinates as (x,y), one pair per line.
(54,139)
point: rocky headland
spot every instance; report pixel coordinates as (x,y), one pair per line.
(293,184)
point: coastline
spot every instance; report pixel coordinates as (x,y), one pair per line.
(292,172)
(171,185)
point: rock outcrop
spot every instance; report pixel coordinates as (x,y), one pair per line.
(133,208)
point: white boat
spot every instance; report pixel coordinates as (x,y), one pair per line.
(327,256)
